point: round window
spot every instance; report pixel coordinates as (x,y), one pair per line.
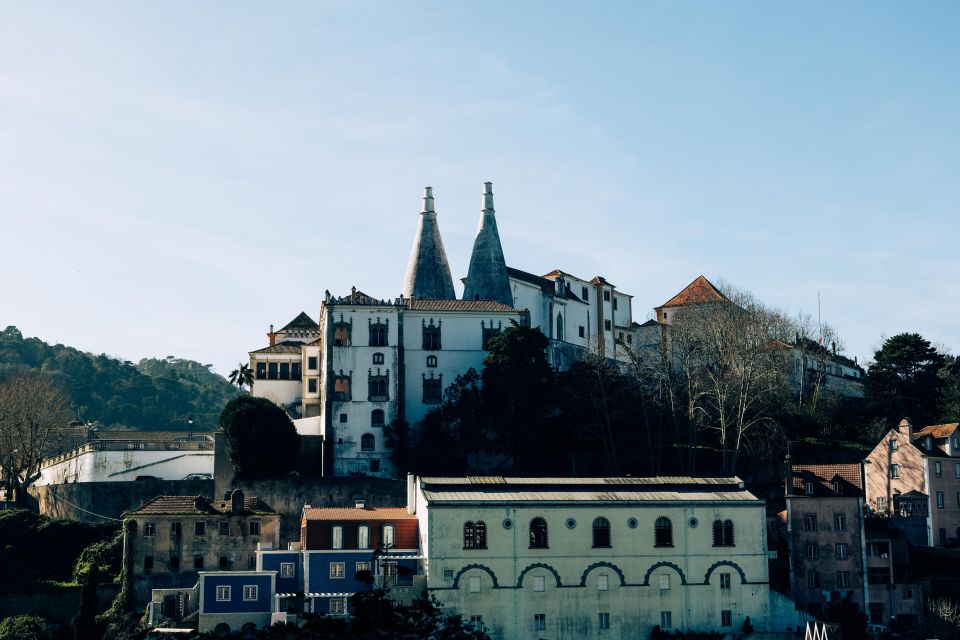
(693,522)
(632,523)
(571,523)
(507,523)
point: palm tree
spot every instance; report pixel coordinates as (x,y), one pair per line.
(242,376)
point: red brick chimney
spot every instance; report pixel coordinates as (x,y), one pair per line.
(272,336)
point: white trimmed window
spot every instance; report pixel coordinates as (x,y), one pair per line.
(338,606)
(337,542)
(363,537)
(539,584)
(250,592)
(664,581)
(362,566)
(287,570)
(336,570)
(474,584)
(603,582)
(539,622)
(223,594)
(724,580)
(387,536)
(666,620)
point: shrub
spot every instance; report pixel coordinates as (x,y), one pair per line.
(24,628)
(261,439)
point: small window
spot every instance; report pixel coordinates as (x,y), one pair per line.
(938,469)
(338,606)
(337,570)
(431,336)
(362,566)
(448,574)
(476,622)
(615,305)
(601,533)
(664,581)
(810,522)
(147,564)
(261,371)
(808,488)
(474,584)
(254,528)
(940,500)
(606,296)
(367,442)
(603,582)
(378,334)
(839,522)
(387,536)
(813,579)
(312,385)
(603,620)
(663,532)
(838,487)
(582,332)
(607,325)
(666,620)
(250,592)
(431,361)
(841,551)
(538,534)
(723,533)
(378,358)
(363,537)
(175,529)
(726,618)
(312,363)
(337,538)
(224,527)
(956,469)
(343,418)
(149,529)
(894,471)
(724,581)
(907,593)
(539,622)
(224,563)
(539,583)
(377,418)
(174,563)
(198,563)
(223,594)
(584,294)
(843,579)
(813,551)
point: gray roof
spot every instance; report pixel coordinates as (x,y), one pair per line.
(487,275)
(428,272)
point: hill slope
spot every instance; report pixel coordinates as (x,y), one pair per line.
(149,395)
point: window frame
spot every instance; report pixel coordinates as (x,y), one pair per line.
(255,591)
(538,533)
(338,567)
(601,533)
(663,532)
(224,593)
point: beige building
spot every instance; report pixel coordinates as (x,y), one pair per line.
(177,537)
(907,465)
(597,557)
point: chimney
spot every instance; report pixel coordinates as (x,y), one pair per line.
(272,337)
(411,494)
(905,424)
(360,503)
(198,503)
(788,474)
(236,501)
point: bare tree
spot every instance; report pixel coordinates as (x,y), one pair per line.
(943,619)
(32,408)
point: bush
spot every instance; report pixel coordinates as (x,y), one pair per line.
(260,438)
(24,628)
(106,555)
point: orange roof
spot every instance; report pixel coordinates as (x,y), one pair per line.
(699,291)
(348,513)
(937,430)
(822,477)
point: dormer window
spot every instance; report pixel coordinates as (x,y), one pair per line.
(837,487)
(808,488)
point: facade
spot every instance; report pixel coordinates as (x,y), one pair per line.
(177,537)
(369,361)
(596,558)
(117,456)
(917,475)
(235,600)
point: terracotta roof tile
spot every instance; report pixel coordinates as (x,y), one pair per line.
(700,291)
(347,513)
(822,477)
(432,304)
(937,430)
(283,347)
(170,505)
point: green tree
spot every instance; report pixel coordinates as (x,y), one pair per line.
(242,376)
(24,628)
(949,406)
(903,379)
(260,438)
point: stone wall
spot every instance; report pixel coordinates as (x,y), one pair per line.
(87,501)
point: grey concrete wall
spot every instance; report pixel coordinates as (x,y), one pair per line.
(87,501)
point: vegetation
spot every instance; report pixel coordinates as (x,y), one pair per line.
(24,628)
(153,394)
(242,376)
(905,380)
(260,437)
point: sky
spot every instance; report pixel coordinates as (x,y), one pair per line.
(176,176)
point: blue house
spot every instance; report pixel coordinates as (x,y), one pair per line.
(231,600)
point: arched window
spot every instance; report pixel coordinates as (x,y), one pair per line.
(538,534)
(601,533)
(663,532)
(378,333)
(378,358)
(431,361)
(559,326)
(723,533)
(387,541)
(367,442)
(376,418)
(431,336)
(378,384)
(474,535)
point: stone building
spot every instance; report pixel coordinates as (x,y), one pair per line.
(177,537)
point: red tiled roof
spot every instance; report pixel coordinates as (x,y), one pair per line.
(823,475)
(937,430)
(347,513)
(283,347)
(169,505)
(430,304)
(699,291)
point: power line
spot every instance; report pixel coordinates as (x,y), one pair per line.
(56,497)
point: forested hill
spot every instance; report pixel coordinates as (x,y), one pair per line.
(150,395)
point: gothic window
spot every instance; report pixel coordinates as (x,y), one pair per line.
(723,533)
(378,358)
(342,332)
(378,387)
(474,535)
(432,389)
(431,361)
(367,442)
(538,533)
(341,388)
(490,332)
(663,532)
(376,418)
(431,336)
(601,533)
(559,327)
(378,333)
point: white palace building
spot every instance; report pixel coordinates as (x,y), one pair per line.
(368,361)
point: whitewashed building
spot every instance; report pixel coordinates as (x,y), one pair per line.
(597,557)
(369,361)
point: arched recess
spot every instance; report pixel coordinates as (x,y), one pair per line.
(724,563)
(600,565)
(486,569)
(646,577)
(538,565)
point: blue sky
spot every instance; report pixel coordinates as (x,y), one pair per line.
(176,176)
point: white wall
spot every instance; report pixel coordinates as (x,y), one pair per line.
(117,466)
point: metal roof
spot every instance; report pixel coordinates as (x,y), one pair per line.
(588,496)
(655,480)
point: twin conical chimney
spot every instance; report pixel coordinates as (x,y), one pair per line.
(428,273)
(487,277)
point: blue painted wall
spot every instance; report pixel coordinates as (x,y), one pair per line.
(236,604)
(271,562)
(319,580)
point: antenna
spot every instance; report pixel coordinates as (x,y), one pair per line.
(819,322)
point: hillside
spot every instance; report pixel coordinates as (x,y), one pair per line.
(150,395)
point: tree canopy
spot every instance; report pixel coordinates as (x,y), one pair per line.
(261,439)
(904,379)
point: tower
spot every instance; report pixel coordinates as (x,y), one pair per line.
(428,273)
(487,277)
